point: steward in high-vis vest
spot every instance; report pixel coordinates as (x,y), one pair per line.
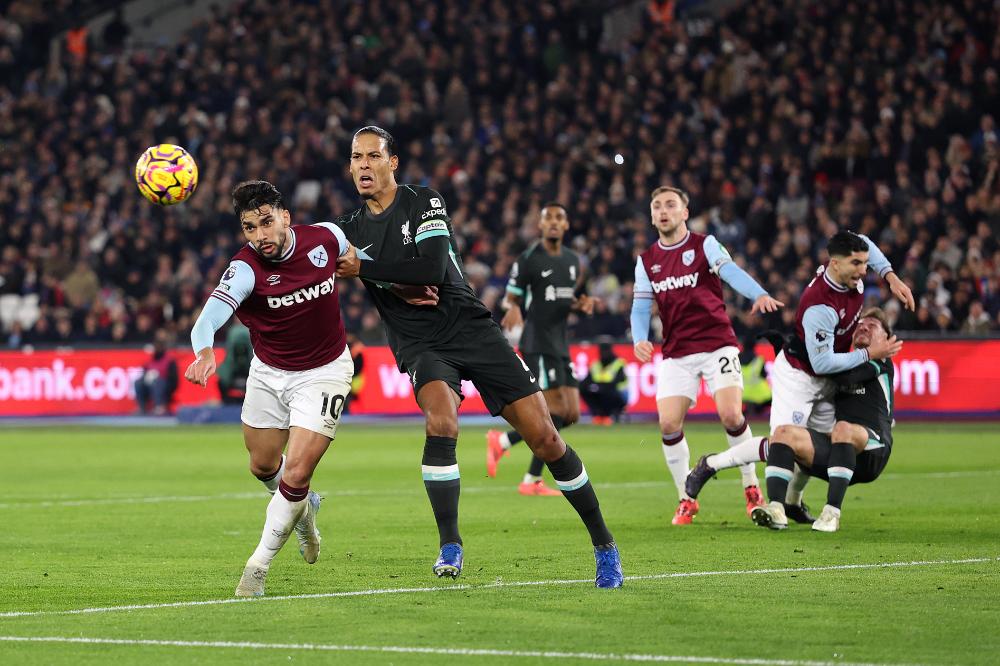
(605,390)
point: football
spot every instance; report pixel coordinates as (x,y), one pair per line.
(166,174)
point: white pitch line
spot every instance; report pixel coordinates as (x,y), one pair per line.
(163,499)
(457,652)
(499,488)
(499,584)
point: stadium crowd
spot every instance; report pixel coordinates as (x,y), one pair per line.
(783,120)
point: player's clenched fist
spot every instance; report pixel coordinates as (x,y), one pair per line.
(201,368)
(644,350)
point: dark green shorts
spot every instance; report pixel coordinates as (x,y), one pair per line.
(868,467)
(552,371)
(480,354)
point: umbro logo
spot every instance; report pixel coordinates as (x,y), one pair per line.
(273,279)
(547,273)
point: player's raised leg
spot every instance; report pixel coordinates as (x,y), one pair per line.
(305,448)
(439,468)
(529,416)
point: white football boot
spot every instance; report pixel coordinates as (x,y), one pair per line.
(771,515)
(829,520)
(306,531)
(252,580)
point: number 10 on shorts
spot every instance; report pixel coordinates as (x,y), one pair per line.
(335,405)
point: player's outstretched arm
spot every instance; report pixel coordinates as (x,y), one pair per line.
(236,284)
(862,373)
(213,316)
(880,264)
(429,267)
(642,309)
(737,278)
(819,324)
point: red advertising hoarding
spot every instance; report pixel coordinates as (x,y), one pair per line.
(932,377)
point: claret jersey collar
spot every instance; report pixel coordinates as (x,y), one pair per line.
(675,245)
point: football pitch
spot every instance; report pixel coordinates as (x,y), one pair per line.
(125,545)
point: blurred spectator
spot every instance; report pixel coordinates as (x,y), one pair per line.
(978,321)
(158,382)
(235,367)
(780,136)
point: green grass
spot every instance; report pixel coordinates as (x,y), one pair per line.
(82,528)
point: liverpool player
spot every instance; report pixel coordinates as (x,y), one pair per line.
(547,280)
(281,286)
(403,234)
(683,272)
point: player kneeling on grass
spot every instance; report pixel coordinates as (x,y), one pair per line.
(858,448)
(863,408)
(281,285)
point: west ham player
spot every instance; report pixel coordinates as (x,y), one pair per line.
(858,448)
(825,319)
(281,286)
(547,278)
(682,271)
(403,234)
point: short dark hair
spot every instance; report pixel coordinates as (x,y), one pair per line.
(846,243)
(554,204)
(252,194)
(390,143)
(883,318)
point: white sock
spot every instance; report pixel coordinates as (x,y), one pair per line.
(678,459)
(749,470)
(272,483)
(505,442)
(530,478)
(740,454)
(795,487)
(281,518)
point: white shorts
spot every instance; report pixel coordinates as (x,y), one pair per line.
(682,376)
(310,399)
(800,399)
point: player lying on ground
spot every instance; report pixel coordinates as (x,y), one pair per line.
(856,451)
(683,272)
(827,314)
(548,279)
(281,286)
(403,234)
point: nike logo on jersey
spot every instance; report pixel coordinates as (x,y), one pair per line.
(302,295)
(547,273)
(361,252)
(679,282)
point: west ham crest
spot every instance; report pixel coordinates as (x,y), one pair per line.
(688,257)
(318,256)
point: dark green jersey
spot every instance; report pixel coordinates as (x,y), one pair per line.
(865,397)
(413,239)
(546,284)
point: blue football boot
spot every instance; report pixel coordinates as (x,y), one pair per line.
(449,562)
(609,567)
